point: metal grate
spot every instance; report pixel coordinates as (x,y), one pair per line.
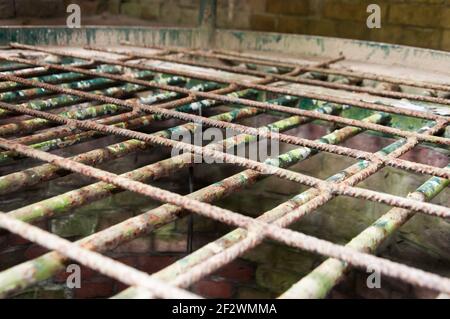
(82,80)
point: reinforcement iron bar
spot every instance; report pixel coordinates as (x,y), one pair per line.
(257,228)
(93,260)
(13,279)
(27,126)
(352,74)
(347,101)
(34,175)
(246,102)
(158,109)
(241,70)
(67,100)
(35,72)
(260,60)
(267,106)
(250,231)
(14,181)
(244,243)
(232,159)
(321,280)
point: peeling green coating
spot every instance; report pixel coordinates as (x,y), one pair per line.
(32,176)
(45,266)
(63,203)
(64,99)
(319,282)
(58,78)
(247,177)
(11,96)
(80,114)
(62,142)
(8,66)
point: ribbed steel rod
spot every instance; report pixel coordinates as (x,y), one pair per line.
(212,54)
(246,102)
(322,279)
(55,78)
(201,269)
(348,101)
(12,67)
(13,279)
(31,93)
(62,203)
(257,228)
(35,72)
(232,159)
(32,176)
(355,74)
(157,109)
(30,125)
(93,260)
(84,113)
(66,100)
(14,181)
(241,70)
(63,131)
(181,266)
(260,60)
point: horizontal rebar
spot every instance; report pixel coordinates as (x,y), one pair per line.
(264,168)
(51,206)
(257,228)
(93,260)
(35,72)
(12,67)
(246,102)
(63,131)
(287,78)
(15,181)
(32,176)
(355,74)
(67,100)
(31,125)
(157,109)
(347,101)
(213,248)
(219,259)
(30,93)
(13,279)
(321,280)
(182,265)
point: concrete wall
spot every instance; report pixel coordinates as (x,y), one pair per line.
(423,23)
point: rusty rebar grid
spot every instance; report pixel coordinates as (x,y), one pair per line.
(263,168)
(160,109)
(347,101)
(259,60)
(257,229)
(241,70)
(104,265)
(227,248)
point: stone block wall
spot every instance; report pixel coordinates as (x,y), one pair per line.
(422,23)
